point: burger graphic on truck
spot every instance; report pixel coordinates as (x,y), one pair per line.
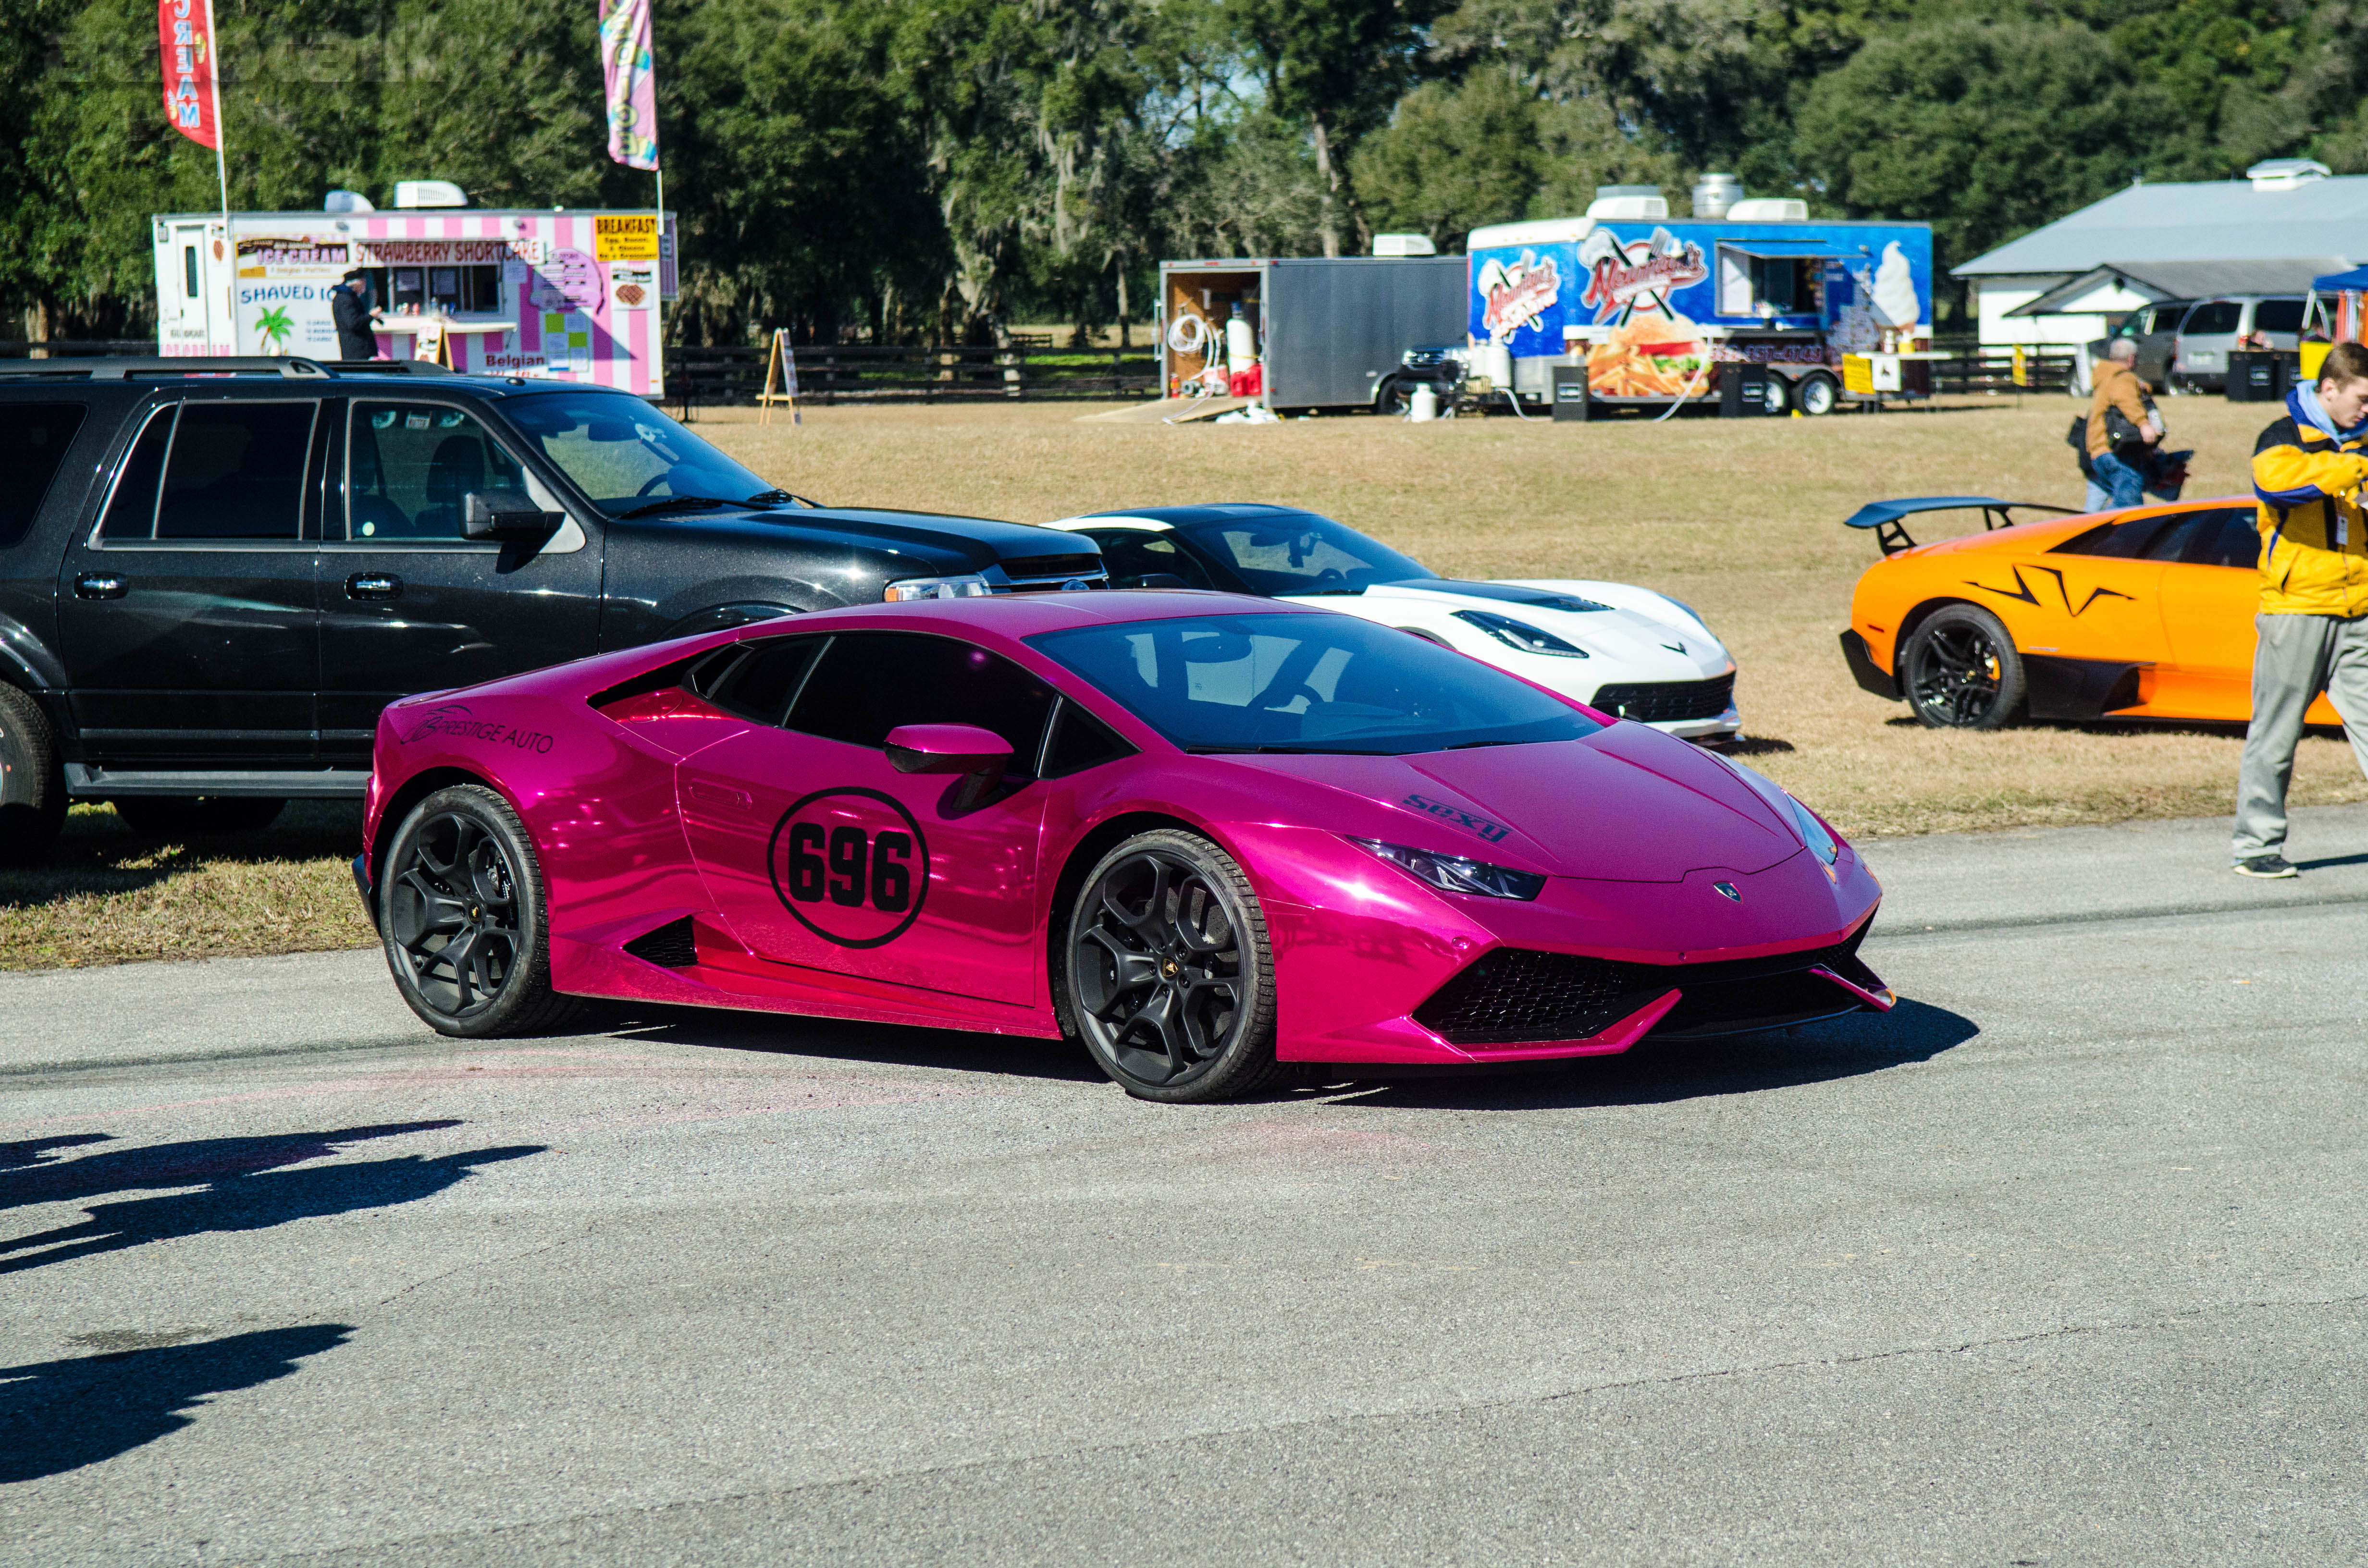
(1653,349)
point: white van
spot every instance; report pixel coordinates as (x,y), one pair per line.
(2213,328)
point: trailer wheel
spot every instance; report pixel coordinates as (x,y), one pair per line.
(1816,393)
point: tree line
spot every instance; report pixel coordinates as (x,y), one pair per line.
(934,170)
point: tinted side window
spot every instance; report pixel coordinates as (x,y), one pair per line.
(131,511)
(761,682)
(1132,552)
(870,682)
(2212,317)
(2170,541)
(2128,540)
(33,441)
(2277,315)
(2230,536)
(1081,741)
(237,472)
(411,466)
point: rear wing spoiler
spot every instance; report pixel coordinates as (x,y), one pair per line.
(1883,517)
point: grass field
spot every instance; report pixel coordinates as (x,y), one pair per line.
(1740,520)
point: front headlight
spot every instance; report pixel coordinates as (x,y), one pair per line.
(1454,873)
(1521,634)
(1812,832)
(936,588)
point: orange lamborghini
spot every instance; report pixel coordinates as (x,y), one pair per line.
(2144,613)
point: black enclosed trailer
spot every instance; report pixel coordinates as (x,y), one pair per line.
(1326,329)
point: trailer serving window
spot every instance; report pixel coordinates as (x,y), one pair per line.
(446,290)
(1788,277)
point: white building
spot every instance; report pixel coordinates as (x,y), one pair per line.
(2270,232)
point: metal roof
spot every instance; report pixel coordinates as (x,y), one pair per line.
(2187,280)
(2199,221)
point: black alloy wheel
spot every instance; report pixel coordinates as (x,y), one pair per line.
(1169,975)
(186,817)
(1961,672)
(463,917)
(32,781)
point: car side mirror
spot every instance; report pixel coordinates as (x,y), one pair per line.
(1152,580)
(947,748)
(504,513)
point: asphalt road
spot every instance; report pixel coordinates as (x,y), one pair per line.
(2060,1263)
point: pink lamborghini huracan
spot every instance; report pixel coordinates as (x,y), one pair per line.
(1208,835)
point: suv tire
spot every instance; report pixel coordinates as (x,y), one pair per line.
(32,781)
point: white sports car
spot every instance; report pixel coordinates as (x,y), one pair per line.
(1625,650)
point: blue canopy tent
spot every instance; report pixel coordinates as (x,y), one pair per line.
(2348,287)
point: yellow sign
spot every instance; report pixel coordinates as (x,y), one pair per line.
(625,236)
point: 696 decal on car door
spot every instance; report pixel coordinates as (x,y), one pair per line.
(852,865)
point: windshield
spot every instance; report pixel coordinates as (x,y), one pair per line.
(1308,683)
(627,456)
(1276,553)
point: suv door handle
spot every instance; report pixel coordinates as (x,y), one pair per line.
(373,585)
(100,586)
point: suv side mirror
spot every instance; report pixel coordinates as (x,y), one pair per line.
(503,514)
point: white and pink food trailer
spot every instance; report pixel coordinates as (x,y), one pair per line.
(554,294)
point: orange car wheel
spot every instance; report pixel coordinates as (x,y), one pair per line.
(1960,671)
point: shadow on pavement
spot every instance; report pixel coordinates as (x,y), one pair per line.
(838,1039)
(242,1201)
(1657,1073)
(28,1174)
(60,1416)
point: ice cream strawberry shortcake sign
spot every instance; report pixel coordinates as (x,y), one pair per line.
(559,295)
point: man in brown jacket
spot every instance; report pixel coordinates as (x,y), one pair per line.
(2118,389)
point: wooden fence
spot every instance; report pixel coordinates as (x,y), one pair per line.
(1993,370)
(705,377)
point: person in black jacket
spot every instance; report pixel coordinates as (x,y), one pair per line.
(349,308)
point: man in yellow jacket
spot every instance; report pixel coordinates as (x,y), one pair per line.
(2308,472)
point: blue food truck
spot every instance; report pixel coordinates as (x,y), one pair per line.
(1655,308)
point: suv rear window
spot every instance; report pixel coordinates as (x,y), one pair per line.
(2277,315)
(235,470)
(2211,318)
(33,441)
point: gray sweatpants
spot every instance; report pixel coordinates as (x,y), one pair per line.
(2298,656)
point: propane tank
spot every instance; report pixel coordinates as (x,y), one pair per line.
(1241,342)
(1423,402)
(1494,363)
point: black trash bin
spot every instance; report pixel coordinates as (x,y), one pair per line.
(1742,391)
(2260,375)
(1571,399)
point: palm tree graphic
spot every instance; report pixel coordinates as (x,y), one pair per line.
(275,326)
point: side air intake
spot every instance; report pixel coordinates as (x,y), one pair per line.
(669,945)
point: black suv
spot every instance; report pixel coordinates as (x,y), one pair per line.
(214,574)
